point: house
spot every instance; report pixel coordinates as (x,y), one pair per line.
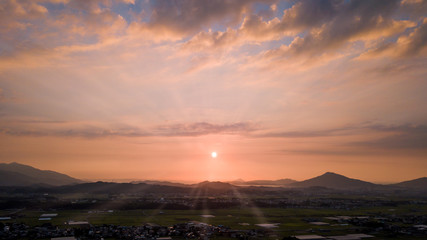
(309,237)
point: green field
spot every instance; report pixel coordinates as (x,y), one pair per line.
(292,221)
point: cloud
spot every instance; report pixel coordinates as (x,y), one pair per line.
(28,27)
(3,97)
(254,28)
(9,96)
(405,136)
(16,16)
(408,45)
(374,139)
(211,41)
(414,9)
(317,152)
(321,30)
(204,128)
(375,136)
(43,128)
(302,16)
(338,24)
(179,19)
(305,134)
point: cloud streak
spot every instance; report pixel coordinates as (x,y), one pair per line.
(305,134)
(204,128)
(56,129)
(405,136)
(378,136)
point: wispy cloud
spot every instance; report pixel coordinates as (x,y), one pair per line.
(316,26)
(204,128)
(183,18)
(377,136)
(305,134)
(335,27)
(85,132)
(323,152)
(38,128)
(408,45)
(376,140)
(405,136)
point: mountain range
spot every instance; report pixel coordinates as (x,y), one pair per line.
(280,182)
(15,174)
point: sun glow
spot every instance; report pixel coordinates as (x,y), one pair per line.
(213,154)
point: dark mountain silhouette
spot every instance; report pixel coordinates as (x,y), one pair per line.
(23,176)
(280,182)
(118,188)
(214,185)
(419,183)
(8,178)
(162,183)
(15,174)
(336,181)
(207,188)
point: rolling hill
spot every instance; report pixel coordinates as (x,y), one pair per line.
(161,183)
(419,183)
(15,174)
(280,182)
(336,181)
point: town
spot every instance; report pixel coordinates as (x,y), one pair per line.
(296,214)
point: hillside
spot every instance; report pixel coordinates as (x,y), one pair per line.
(280,182)
(419,183)
(161,183)
(8,178)
(214,185)
(336,181)
(15,174)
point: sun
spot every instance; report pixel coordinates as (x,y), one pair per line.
(213,154)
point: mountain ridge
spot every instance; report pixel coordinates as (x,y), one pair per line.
(418,183)
(16,174)
(336,181)
(279,182)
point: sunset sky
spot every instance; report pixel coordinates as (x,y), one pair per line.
(129,89)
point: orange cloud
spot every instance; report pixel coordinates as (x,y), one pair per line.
(407,45)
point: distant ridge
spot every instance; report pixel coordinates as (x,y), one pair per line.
(15,174)
(8,178)
(214,185)
(419,183)
(336,181)
(20,175)
(280,182)
(162,183)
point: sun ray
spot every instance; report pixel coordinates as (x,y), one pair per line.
(254,209)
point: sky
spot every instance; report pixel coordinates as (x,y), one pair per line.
(130,89)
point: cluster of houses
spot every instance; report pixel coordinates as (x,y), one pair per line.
(363,227)
(190,230)
(376,226)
